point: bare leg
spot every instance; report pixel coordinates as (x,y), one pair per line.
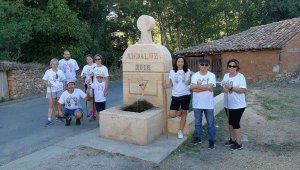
(58,112)
(237,133)
(78,115)
(231,133)
(183,119)
(173,113)
(50,110)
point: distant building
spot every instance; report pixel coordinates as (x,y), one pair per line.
(265,52)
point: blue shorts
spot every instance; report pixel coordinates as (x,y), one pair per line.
(72,112)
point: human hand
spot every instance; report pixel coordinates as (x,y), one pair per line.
(228,86)
(105,93)
(49,84)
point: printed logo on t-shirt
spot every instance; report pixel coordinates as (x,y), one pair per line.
(72,101)
(100,88)
(202,81)
(179,77)
(67,67)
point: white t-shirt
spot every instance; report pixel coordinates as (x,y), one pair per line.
(69,68)
(204,99)
(235,100)
(72,100)
(99,91)
(86,71)
(178,81)
(56,81)
(100,70)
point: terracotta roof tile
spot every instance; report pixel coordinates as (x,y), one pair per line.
(270,36)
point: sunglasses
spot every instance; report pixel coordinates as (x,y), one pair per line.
(232,66)
(203,64)
(97,58)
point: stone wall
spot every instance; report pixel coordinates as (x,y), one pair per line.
(25,80)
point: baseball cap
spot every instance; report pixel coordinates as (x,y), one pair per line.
(99,75)
(70,81)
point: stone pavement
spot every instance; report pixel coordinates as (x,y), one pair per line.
(155,152)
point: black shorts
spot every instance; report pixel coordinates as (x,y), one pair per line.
(182,102)
(100,106)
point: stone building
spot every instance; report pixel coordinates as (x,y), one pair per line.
(265,52)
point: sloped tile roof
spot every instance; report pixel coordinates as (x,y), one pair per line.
(270,36)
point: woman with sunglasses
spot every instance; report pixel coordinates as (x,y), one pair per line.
(100,69)
(54,79)
(181,95)
(234,87)
(86,73)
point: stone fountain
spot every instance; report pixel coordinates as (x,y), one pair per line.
(145,74)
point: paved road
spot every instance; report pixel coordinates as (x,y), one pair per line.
(22,129)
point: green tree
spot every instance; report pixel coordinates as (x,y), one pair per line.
(15,29)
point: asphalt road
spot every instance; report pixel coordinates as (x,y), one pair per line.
(22,129)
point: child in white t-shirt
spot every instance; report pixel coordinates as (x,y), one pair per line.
(100,100)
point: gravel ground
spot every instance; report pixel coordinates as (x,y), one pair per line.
(273,140)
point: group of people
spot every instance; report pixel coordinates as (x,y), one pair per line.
(63,95)
(65,98)
(201,84)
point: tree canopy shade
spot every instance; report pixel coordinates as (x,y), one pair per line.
(38,30)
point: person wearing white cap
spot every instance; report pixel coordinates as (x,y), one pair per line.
(71,99)
(98,87)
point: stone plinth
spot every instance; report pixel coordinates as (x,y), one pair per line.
(138,128)
(173,124)
(145,73)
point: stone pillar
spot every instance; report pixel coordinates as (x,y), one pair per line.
(145,66)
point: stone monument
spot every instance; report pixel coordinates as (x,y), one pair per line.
(145,74)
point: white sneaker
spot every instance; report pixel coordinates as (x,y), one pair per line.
(180,134)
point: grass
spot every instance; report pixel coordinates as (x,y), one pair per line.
(279,149)
(220,121)
(280,102)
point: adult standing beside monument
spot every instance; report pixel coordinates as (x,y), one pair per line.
(86,73)
(181,95)
(234,86)
(69,66)
(54,78)
(100,69)
(203,102)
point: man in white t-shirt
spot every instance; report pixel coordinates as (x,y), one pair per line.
(71,99)
(202,84)
(69,66)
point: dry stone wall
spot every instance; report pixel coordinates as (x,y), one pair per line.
(25,80)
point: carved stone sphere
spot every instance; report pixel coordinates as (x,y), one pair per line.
(145,23)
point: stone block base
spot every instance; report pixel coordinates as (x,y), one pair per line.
(173,124)
(138,128)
